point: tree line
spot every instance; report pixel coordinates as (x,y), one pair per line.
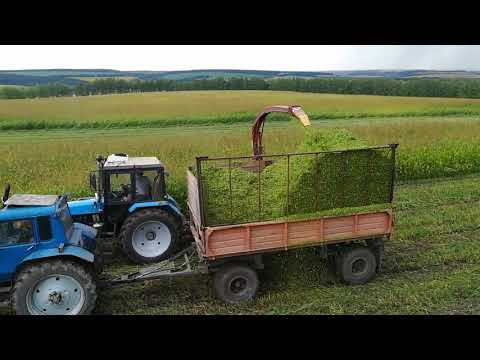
(464,88)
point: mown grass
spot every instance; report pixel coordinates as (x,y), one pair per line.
(210,108)
(434,272)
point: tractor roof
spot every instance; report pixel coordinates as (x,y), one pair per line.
(32,200)
(134,163)
(28,206)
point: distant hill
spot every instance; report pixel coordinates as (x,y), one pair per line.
(77,76)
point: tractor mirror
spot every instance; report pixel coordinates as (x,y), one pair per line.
(93,181)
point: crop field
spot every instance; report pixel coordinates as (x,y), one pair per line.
(211,107)
(58,161)
(432,265)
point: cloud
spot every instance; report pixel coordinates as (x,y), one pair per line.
(434,57)
(260,57)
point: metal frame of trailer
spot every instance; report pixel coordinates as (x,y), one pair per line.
(217,248)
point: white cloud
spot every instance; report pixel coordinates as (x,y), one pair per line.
(259,57)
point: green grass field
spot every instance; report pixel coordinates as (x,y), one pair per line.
(432,265)
(211,107)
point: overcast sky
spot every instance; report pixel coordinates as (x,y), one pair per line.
(254,57)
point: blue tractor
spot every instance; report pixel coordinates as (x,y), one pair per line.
(131,205)
(48,263)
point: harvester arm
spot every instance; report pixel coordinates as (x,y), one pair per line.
(257,129)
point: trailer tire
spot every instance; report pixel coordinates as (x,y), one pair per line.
(74,292)
(356,265)
(162,223)
(236,283)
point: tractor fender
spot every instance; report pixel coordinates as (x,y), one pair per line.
(72,251)
(166,205)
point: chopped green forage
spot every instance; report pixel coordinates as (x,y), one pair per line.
(301,183)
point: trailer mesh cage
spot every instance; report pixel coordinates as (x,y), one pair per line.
(232,191)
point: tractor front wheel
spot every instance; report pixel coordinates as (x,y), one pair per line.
(54,287)
(149,236)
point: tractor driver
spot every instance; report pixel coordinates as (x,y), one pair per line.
(143,188)
(23,231)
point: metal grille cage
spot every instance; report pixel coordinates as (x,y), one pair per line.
(238,189)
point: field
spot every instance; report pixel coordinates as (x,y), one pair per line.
(12,86)
(58,161)
(211,107)
(93,78)
(432,265)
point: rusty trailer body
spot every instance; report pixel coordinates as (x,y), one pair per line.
(232,246)
(219,237)
(353,241)
(214,242)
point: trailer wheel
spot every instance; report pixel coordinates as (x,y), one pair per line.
(149,236)
(236,284)
(357,265)
(55,287)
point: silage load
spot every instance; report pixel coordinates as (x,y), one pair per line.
(303,184)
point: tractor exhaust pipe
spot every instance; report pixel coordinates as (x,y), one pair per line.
(6,194)
(100,161)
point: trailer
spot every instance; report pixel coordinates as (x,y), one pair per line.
(233,251)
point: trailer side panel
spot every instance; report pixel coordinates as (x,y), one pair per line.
(193,199)
(249,238)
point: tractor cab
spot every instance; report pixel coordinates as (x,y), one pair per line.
(122,181)
(131,204)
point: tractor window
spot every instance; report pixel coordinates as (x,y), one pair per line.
(120,186)
(117,180)
(144,182)
(44,228)
(16,232)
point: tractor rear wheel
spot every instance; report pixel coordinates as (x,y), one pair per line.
(54,287)
(149,236)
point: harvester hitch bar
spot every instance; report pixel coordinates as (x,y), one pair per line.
(181,264)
